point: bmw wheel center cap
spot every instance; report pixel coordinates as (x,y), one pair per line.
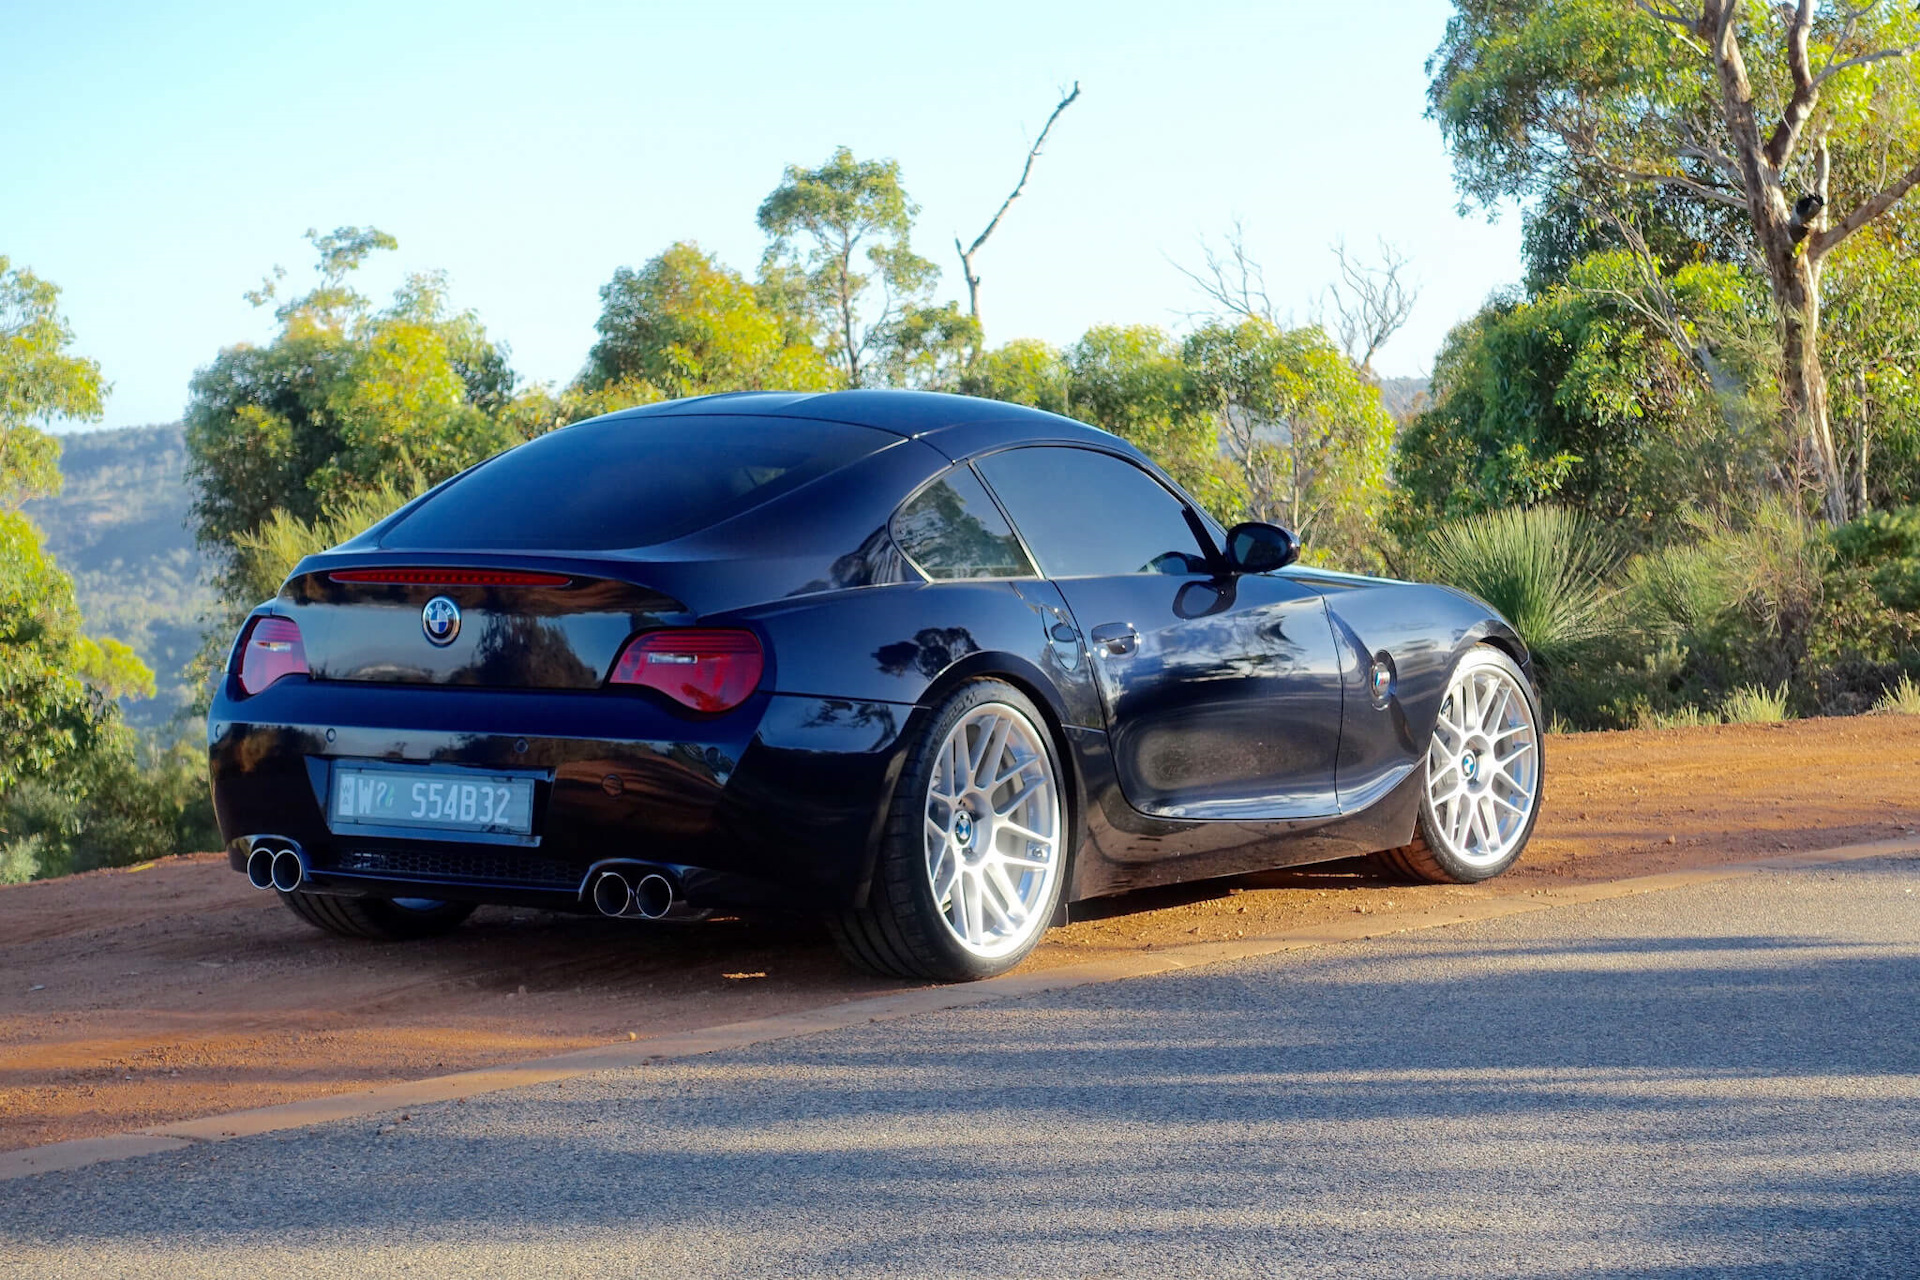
(440,620)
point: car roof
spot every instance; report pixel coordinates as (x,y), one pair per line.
(959,426)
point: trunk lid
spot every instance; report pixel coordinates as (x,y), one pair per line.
(505,622)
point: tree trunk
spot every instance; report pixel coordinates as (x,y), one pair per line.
(1860,445)
(1804,381)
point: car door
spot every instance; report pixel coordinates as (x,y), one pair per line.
(1222,693)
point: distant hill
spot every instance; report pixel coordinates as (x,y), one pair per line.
(1403,397)
(120,528)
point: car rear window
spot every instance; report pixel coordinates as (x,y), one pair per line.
(951,529)
(628,482)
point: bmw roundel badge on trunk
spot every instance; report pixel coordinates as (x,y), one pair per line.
(440,620)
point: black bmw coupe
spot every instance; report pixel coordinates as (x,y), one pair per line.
(932,667)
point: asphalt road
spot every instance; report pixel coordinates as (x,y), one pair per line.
(1715,1081)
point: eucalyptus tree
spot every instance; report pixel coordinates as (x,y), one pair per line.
(1802,118)
(841,242)
(686,324)
(344,399)
(57,685)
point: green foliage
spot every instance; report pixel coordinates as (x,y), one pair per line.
(1871,345)
(40,380)
(1303,432)
(72,791)
(344,398)
(265,557)
(1548,570)
(127,801)
(1256,421)
(1743,599)
(1584,396)
(1532,96)
(841,252)
(684,324)
(49,713)
(1866,634)
(1884,546)
(56,684)
(1608,116)
(1024,371)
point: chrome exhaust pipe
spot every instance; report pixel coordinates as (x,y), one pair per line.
(260,868)
(289,871)
(653,896)
(612,894)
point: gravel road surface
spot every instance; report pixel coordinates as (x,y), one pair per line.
(1715,1081)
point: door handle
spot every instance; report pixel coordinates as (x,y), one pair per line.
(1118,638)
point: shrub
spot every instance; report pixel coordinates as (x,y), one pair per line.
(1684,717)
(130,800)
(1750,705)
(1548,570)
(1741,601)
(1886,546)
(1901,699)
(1867,634)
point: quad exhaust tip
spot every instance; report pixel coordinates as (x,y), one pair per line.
(270,868)
(288,871)
(649,899)
(653,897)
(612,894)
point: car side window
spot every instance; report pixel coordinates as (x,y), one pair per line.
(951,529)
(1087,514)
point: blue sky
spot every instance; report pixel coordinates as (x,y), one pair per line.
(162,157)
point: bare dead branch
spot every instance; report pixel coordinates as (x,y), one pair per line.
(1026,171)
(1232,279)
(1371,303)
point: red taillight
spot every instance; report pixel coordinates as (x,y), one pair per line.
(271,650)
(704,670)
(450,577)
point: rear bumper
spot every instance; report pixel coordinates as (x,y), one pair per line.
(773,804)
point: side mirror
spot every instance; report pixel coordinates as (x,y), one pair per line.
(1260,548)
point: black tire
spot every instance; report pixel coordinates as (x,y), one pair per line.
(1429,858)
(377,918)
(902,932)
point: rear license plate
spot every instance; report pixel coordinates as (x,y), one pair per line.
(374,797)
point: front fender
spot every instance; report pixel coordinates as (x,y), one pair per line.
(1417,634)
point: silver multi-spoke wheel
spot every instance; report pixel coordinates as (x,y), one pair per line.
(1483,766)
(993,830)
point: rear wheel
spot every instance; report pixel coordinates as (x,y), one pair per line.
(384,919)
(1483,775)
(973,858)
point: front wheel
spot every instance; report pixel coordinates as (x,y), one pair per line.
(973,857)
(383,919)
(1483,775)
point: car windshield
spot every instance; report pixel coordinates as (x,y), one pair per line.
(620,483)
